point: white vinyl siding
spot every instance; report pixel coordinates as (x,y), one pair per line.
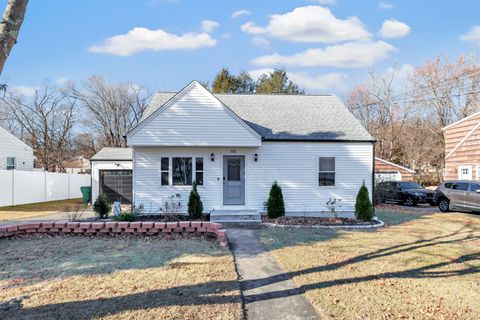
(12,147)
(196,119)
(293,164)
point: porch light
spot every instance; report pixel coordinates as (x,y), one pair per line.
(212,157)
(255,157)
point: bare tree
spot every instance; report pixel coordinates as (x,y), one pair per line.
(384,117)
(10,27)
(407,119)
(47,120)
(112,110)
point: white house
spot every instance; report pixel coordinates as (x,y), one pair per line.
(14,153)
(236,146)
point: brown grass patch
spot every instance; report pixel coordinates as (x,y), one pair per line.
(115,278)
(36,210)
(420,267)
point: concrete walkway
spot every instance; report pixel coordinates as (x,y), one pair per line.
(268,291)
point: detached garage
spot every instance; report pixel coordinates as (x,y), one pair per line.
(112,174)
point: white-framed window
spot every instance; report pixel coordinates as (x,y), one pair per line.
(199,171)
(181,171)
(465,172)
(478,173)
(326,171)
(10,163)
(165,171)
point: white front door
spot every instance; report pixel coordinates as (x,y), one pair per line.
(233,180)
(465,173)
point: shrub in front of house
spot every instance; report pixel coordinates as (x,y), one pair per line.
(102,206)
(195,205)
(363,205)
(125,216)
(275,203)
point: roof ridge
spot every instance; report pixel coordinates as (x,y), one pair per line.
(265,94)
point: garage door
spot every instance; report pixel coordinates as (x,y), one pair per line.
(116,185)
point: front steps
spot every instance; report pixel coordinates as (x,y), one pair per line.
(237,218)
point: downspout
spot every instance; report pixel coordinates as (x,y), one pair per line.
(373,176)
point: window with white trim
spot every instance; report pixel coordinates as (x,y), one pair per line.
(165,171)
(326,171)
(199,171)
(181,171)
(11,163)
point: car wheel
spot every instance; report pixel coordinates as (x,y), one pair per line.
(410,202)
(444,205)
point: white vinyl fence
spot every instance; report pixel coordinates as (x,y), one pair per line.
(22,187)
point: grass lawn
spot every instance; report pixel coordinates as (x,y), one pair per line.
(118,278)
(418,267)
(35,210)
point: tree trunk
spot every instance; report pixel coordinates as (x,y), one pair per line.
(10,27)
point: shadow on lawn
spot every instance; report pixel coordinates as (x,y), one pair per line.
(214,292)
(32,260)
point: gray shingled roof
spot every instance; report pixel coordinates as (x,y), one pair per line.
(288,117)
(113,154)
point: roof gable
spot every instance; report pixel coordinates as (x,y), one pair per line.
(288,117)
(7,136)
(192,117)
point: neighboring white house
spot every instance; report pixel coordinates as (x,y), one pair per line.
(236,146)
(112,174)
(14,153)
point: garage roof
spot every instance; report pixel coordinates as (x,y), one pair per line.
(113,154)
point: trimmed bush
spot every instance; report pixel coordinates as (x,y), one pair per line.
(195,205)
(102,206)
(363,206)
(125,216)
(275,203)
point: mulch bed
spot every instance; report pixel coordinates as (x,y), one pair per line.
(315,221)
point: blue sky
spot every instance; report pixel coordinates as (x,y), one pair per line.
(327,46)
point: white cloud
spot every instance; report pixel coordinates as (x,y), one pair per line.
(142,39)
(401,74)
(472,35)
(209,25)
(316,83)
(386,5)
(310,24)
(394,29)
(62,80)
(347,55)
(27,91)
(241,13)
(324,2)
(260,42)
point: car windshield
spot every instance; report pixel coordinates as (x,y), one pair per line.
(410,185)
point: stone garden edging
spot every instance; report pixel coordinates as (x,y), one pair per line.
(286,226)
(143,228)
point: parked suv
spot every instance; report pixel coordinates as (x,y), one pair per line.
(459,195)
(407,193)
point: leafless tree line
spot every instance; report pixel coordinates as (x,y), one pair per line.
(73,120)
(406,114)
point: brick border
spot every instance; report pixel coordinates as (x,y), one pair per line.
(149,228)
